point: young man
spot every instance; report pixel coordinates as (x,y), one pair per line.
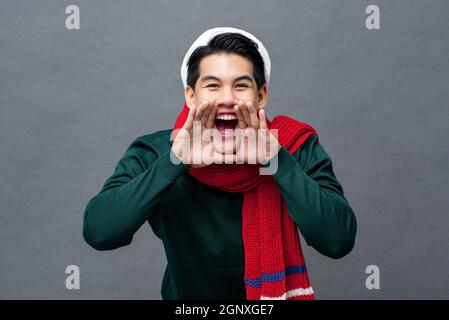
(229,231)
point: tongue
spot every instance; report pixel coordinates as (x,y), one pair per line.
(223,125)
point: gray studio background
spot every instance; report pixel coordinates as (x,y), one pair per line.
(72,102)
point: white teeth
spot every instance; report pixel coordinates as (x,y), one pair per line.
(226,117)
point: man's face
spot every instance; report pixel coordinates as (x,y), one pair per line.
(225,79)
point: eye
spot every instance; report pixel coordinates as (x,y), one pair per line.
(212,85)
(242,85)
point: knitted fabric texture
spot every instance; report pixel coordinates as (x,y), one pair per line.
(274,262)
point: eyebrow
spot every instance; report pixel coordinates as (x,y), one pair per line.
(245,77)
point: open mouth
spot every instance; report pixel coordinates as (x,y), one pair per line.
(226,124)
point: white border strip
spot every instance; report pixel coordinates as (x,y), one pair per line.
(291,293)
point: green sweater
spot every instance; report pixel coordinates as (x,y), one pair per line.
(200,225)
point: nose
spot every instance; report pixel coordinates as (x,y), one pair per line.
(226,99)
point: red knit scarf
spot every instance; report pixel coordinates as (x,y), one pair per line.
(274,262)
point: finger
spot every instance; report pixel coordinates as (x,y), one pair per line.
(241,120)
(245,113)
(252,114)
(263,120)
(212,114)
(200,110)
(189,122)
(205,116)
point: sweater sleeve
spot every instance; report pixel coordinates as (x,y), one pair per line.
(129,197)
(315,199)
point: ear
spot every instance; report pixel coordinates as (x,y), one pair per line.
(189,95)
(262,96)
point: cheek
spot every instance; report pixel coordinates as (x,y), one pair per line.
(247,95)
(205,95)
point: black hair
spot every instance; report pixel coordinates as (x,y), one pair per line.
(227,43)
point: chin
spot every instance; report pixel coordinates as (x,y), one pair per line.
(226,148)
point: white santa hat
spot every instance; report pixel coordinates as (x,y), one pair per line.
(206,36)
